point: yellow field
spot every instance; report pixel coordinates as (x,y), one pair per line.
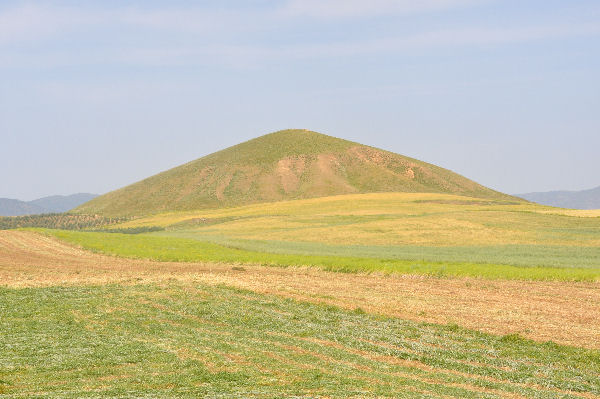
(392,219)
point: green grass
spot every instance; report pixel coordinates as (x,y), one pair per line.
(313,165)
(148,246)
(515,255)
(187,341)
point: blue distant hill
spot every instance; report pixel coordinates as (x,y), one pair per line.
(584,199)
(52,204)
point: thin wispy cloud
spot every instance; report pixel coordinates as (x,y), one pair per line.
(238,55)
(31,23)
(362,8)
(35,22)
(476,36)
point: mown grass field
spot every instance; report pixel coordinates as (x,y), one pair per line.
(190,340)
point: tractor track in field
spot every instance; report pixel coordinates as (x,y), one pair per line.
(564,312)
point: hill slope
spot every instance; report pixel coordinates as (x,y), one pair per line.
(289,164)
(584,199)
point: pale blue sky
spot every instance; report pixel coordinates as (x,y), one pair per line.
(97,95)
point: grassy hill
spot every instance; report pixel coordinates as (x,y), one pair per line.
(285,165)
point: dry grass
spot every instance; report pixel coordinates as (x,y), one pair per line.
(581,213)
(392,219)
(564,312)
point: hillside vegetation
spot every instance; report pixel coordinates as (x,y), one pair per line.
(289,164)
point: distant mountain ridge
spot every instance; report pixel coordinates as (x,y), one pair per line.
(14,207)
(584,199)
(284,165)
(51,204)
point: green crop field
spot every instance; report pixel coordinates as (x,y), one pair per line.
(432,234)
(149,246)
(191,340)
(516,255)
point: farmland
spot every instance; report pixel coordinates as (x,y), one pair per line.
(192,304)
(187,340)
(392,219)
(431,234)
(148,246)
(359,294)
(78,324)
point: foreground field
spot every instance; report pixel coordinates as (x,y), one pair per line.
(76,323)
(564,312)
(190,340)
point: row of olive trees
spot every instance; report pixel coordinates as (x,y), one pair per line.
(63,221)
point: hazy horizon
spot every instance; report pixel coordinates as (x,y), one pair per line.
(98,95)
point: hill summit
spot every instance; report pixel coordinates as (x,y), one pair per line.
(285,165)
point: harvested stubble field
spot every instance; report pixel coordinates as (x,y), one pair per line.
(76,323)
